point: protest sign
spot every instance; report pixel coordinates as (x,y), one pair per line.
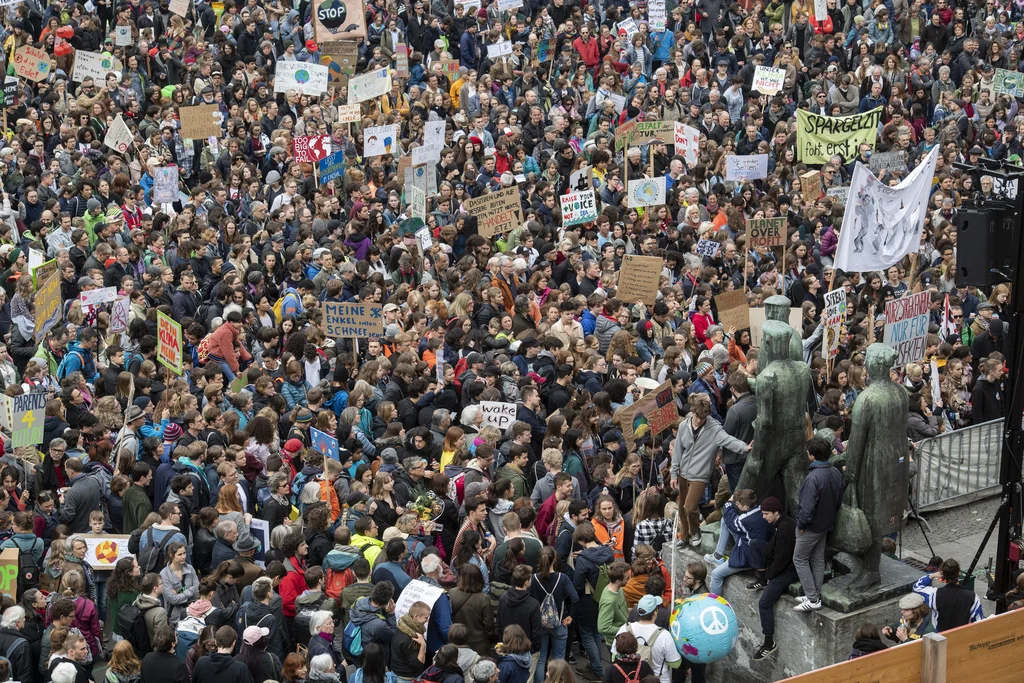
(346,320)
(545,50)
(708,248)
(498,414)
(10,90)
(165,184)
(629,26)
(883,161)
(306,78)
(414,591)
(35,258)
(581,179)
(1008,83)
(122,36)
(339,20)
(835,315)
(757,318)
(332,167)
(426,154)
(749,167)
(768,81)
(648,416)
(425,239)
(168,342)
(646,132)
(733,310)
(260,530)
(656,15)
(402,60)
(95,66)
(838,194)
(102,295)
(449,67)
(179,7)
(119,314)
(499,49)
(819,137)
(118,138)
(9,573)
(323,442)
(348,113)
(906,326)
(497,212)
(32,63)
(687,142)
(820,10)
(102,551)
(578,207)
(41,274)
(810,187)
(201,121)
(418,202)
(646,192)
(48,305)
(766,232)
(379,140)
(28,411)
(509,5)
(368,86)
(341,57)
(639,279)
(310,149)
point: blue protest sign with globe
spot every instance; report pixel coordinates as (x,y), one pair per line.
(704,628)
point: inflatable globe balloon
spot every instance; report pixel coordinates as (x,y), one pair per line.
(704,628)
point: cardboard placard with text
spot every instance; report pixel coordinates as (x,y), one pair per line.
(766,232)
(201,121)
(497,212)
(733,310)
(639,279)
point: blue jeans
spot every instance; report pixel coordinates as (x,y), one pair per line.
(557,639)
(229,376)
(723,540)
(719,574)
(592,644)
(733,472)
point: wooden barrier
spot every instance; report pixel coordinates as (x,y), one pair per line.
(898,664)
(992,648)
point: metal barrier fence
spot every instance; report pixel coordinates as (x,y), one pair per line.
(958,467)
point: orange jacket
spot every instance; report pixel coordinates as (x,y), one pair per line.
(603,536)
(224,344)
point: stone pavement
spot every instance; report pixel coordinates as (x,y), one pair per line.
(957,533)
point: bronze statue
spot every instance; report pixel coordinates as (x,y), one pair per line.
(877,462)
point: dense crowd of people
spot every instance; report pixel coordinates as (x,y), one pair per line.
(534,547)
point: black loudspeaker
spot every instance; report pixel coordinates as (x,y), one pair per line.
(987,246)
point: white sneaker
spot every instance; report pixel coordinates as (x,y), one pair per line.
(808,606)
(696,540)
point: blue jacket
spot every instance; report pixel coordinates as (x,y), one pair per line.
(295,394)
(744,527)
(469,50)
(589,321)
(820,498)
(79,359)
(514,668)
(292,304)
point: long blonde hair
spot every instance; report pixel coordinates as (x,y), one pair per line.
(227,501)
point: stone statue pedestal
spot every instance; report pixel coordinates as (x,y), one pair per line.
(807,641)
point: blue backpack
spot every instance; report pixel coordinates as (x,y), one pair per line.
(352,641)
(62,369)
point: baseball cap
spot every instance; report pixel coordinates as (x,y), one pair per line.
(252,634)
(648,605)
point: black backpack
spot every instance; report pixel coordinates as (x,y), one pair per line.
(28,568)
(152,557)
(132,621)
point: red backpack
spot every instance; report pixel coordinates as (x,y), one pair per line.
(338,572)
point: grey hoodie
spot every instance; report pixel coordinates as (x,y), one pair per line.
(693,457)
(543,489)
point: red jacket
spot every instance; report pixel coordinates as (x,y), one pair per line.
(292,586)
(589,52)
(224,344)
(546,516)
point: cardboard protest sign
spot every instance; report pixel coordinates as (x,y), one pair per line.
(498,414)
(179,7)
(310,149)
(757,318)
(102,551)
(379,140)
(820,10)
(749,167)
(353,320)
(306,78)
(623,133)
(339,20)
(648,416)
(581,179)
(43,273)
(368,86)
(341,57)
(768,81)
(766,232)
(49,308)
(708,248)
(646,192)
(497,212)
(169,346)
(28,416)
(819,137)
(32,63)
(810,186)
(646,132)
(835,316)
(639,279)
(733,310)
(906,326)
(578,207)
(545,50)
(200,121)
(348,113)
